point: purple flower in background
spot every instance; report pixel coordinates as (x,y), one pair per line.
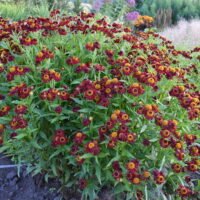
(132,15)
(131,2)
(97,4)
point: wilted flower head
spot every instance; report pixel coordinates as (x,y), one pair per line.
(132,15)
(131,2)
(97,4)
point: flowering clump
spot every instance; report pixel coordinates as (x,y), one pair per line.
(132,16)
(143,22)
(94,104)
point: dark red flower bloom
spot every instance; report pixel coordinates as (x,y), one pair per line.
(73,60)
(92,147)
(184,191)
(159,177)
(83,184)
(58,109)
(21,109)
(79,137)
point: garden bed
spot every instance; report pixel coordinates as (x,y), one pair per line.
(95,105)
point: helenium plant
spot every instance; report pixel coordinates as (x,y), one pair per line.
(92,104)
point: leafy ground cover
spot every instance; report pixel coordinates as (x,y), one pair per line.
(94,104)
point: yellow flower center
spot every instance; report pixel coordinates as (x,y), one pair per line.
(91,145)
(131,165)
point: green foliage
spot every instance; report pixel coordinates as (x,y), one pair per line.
(22,9)
(180,8)
(115,10)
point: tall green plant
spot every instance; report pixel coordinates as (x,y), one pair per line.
(180,8)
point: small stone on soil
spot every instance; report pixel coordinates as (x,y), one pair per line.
(11,175)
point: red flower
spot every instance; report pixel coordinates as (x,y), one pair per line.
(58,109)
(24,92)
(92,147)
(164,142)
(92,46)
(184,191)
(83,184)
(131,138)
(13,135)
(99,67)
(21,109)
(28,41)
(136,89)
(74,149)
(159,177)
(1,140)
(123,117)
(85,67)
(2,127)
(180,154)
(102,131)
(4,110)
(189,138)
(79,137)
(62,31)
(146,142)
(132,166)
(116,165)
(42,55)
(117,174)
(18,122)
(194,150)
(48,75)
(73,60)
(192,166)
(177,168)
(63,95)
(59,138)
(149,111)
(90,94)
(109,53)
(86,121)
(165,133)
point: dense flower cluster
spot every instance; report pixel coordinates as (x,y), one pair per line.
(143,22)
(15,70)
(88,97)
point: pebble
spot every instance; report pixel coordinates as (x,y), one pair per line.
(11,175)
(13,181)
(24,173)
(35,195)
(10,194)
(56,198)
(16,187)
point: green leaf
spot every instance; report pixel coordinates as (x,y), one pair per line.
(67,175)
(35,144)
(87,155)
(78,101)
(54,170)
(98,173)
(162,163)
(144,127)
(20,136)
(85,110)
(58,151)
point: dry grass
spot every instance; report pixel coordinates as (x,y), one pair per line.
(185,35)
